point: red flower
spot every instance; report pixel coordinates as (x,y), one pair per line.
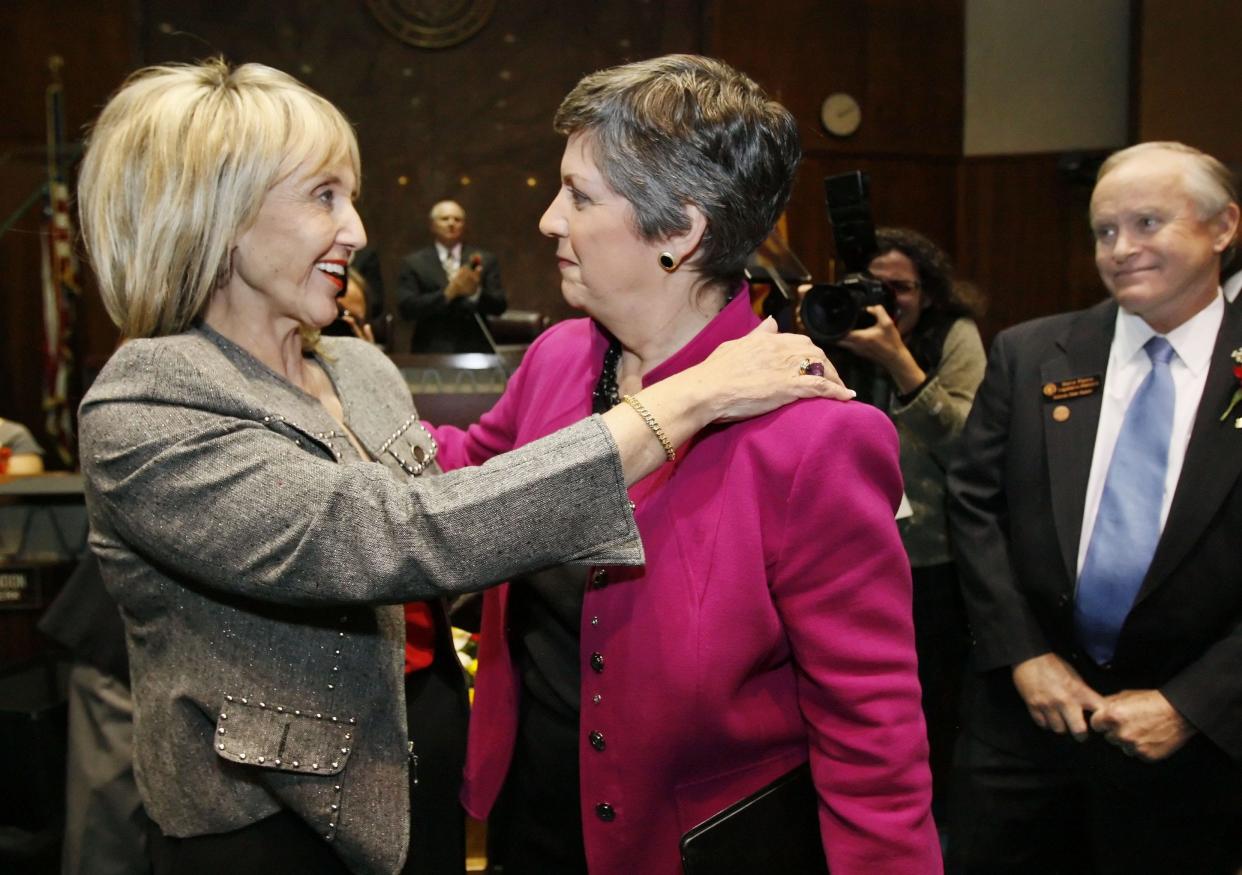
(1236,355)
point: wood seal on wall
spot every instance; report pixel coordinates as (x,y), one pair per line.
(432,24)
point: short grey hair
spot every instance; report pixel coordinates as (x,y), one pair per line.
(1210,184)
(682,129)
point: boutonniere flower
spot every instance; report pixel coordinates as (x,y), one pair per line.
(1236,355)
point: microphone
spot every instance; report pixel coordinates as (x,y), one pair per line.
(476,263)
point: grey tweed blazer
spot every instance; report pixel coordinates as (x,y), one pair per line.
(258,562)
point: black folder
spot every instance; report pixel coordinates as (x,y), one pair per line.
(774,829)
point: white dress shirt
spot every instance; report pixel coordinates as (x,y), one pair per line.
(1232,286)
(450,258)
(1128,365)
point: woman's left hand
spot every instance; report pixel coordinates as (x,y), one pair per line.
(762,371)
(742,378)
(882,344)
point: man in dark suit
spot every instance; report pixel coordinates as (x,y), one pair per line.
(1096,509)
(447,288)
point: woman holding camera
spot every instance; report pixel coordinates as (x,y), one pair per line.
(922,365)
(618,708)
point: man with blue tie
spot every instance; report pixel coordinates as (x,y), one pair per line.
(1096,510)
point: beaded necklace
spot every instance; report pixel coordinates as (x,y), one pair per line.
(606,395)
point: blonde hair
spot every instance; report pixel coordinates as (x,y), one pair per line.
(177,166)
(1209,183)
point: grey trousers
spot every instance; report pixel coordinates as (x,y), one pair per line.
(105,825)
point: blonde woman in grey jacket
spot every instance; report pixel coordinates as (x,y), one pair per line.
(259,497)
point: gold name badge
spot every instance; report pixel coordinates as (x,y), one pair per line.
(1074,387)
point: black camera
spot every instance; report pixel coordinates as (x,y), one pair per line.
(832,310)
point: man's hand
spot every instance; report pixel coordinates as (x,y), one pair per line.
(361,330)
(465,282)
(1142,723)
(1055,695)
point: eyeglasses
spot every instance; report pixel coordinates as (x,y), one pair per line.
(900,287)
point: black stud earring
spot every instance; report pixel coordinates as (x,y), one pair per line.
(668,262)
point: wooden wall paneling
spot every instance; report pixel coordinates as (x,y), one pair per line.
(901,60)
(1023,237)
(1187,72)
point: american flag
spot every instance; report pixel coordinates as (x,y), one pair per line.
(61,290)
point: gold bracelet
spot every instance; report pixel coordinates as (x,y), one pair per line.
(669,452)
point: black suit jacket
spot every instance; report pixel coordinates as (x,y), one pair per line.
(442,325)
(1017,493)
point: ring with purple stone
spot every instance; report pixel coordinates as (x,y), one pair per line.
(808,367)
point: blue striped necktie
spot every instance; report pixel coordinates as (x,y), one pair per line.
(1127,526)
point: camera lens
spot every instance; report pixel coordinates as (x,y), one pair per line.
(829,312)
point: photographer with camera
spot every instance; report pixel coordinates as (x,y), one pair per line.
(917,356)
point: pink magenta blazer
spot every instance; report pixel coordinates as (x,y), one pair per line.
(770,624)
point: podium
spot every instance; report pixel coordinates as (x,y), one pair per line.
(43,531)
(456,389)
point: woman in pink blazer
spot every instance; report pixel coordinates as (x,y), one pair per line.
(616,708)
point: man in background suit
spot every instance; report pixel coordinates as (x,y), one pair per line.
(1096,509)
(447,288)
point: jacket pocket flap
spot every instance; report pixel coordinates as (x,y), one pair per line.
(275,737)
